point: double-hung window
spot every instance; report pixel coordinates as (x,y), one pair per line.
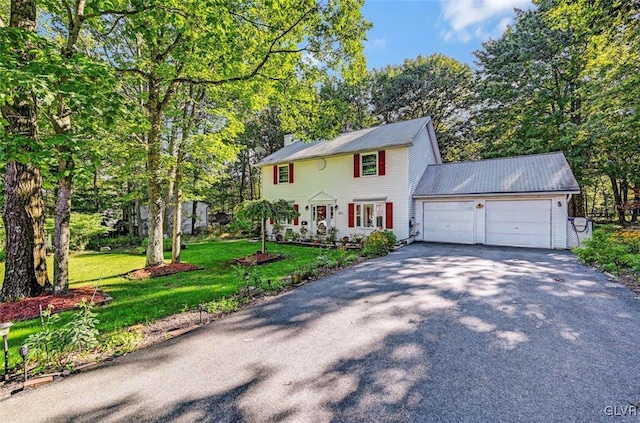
(283,174)
(369,164)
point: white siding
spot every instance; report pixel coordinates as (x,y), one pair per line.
(336,180)
(420,155)
(559,222)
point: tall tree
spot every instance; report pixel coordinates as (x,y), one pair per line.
(25,270)
(231,43)
(529,91)
(436,86)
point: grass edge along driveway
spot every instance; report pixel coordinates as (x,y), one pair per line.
(144,301)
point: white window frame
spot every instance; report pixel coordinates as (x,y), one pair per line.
(375,163)
(280,174)
(379,213)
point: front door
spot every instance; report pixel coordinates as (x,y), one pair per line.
(322,219)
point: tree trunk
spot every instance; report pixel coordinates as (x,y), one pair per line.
(636,203)
(171,175)
(138,221)
(194,206)
(132,211)
(617,199)
(154,184)
(96,199)
(177,226)
(177,207)
(263,233)
(62,234)
(26,266)
(194,217)
(19,276)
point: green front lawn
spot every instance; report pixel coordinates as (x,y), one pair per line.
(143,301)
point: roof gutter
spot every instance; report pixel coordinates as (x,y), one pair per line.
(493,194)
(346,153)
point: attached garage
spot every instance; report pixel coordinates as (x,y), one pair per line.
(519,223)
(518,201)
(449,221)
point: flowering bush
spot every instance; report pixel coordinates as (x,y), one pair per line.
(378,243)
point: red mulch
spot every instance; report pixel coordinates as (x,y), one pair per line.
(28,308)
(162,270)
(257,259)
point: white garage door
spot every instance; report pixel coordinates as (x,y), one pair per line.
(448,221)
(519,223)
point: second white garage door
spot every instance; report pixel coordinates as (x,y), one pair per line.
(519,223)
(448,221)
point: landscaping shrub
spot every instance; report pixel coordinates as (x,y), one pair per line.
(98,242)
(83,227)
(239,227)
(54,347)
(612,250)
(378,243)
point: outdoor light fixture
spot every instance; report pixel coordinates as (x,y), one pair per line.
(200,309)
(306,207)
(4,332)
(24,350)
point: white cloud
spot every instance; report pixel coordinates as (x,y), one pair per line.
(378,43)
(478,18)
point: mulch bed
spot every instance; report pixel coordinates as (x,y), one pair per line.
(29,308)
(162,270)
(257,259)
(630,282)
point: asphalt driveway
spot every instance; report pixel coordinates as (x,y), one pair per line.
(432,333)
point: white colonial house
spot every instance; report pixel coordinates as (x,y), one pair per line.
(392,177)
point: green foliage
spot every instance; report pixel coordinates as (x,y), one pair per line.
(54,346)
(96,243)
(611,252)
(435,86)
(222,306)
(378,243)
(83,228)
(121,341)
(147,300)
(239,227)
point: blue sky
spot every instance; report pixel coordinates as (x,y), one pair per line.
(405,29)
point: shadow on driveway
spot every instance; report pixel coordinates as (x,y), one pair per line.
(430,333)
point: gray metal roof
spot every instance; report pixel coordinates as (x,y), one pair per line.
(535,173)
(383,136)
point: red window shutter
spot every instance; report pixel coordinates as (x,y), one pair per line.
(389,215)
(290,173)
(381,163)
(356,165)
(352,215)
(275,175)
(296,221)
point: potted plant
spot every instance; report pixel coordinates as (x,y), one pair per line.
(303,233)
